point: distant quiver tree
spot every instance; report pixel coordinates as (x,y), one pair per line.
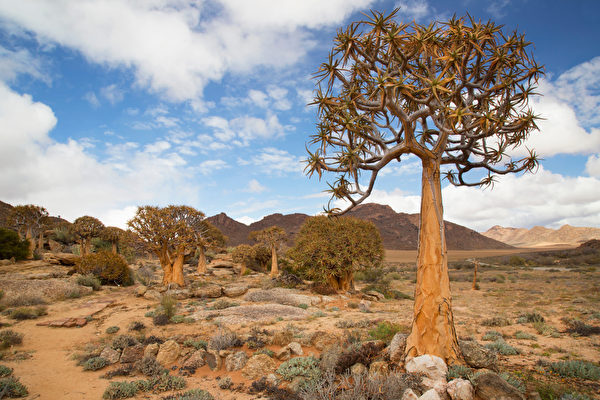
(86,228)
(271,237)
(29,221)
(455,94)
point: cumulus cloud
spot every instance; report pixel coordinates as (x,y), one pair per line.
(112,93)
(176,47)
(274,161)
(254,186)
(16,62)
(592,166)
(242,130)
(414,9)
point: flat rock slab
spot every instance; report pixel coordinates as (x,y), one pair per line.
(284,296)
(64,323)
(253,313)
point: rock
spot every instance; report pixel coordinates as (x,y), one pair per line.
(196,360)
(368,297)
(282,338)
(409,395)
(151,350)
(376,294)
(258,366)
(364,306)
(283,354)
(55,247)
(295,348)
(283,296)
(321,340)
(132,354)
(490,386)
(152,295)
(168,352)
(254,313)
(460,389)
(141,290)
(5,262)
(111,355)
(213,359)
(221,264)
(272,380)
(378,368)
(65,323)
(431,394)
(358,369)
(236,361)
(477,356)
(235,291)
(222,272)
(179,294)
(60,258)
(397,347)
(210,291)
(433,367)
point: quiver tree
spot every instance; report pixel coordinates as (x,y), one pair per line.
(454,94)
(255,257)
(170,232)
(113,235)
(30,221)
(86,228)
(208,236)
(332,249)
(272,238)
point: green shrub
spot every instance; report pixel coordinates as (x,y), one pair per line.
(458,371)
(160,319)
(500,346)
(385,331)
(12,246)
(268,352)
(120,390)
(5,371)
(576,369)
(25,300)
(122,341)
(89,280)
(22,313)
(524,336)
(491,336)
(165,383)
(530,317)
(197,344)
(124,390)
(9,338)
(193,394)
(513,381)
(222,304)
(11,387)
(580,328)
(95,363)
(150,367)
(303,306)
(495,321)
(111,269)
(545,330)
(307,367)
(112,329)
(168,305)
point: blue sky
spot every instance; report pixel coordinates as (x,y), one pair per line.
(108,105)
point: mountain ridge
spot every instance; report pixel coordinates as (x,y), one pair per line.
(540,236)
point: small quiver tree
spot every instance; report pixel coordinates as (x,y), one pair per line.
(86,228)
(272,237)
(332,249)
(208,236)
(455,94)
(29,221)
(114,236)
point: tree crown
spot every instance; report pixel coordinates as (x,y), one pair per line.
(454,92)
(87,227)
(272,236)
(28,216)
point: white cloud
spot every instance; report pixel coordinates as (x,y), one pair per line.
(498,8)
(274,161)
(157,147)
(209,166)
(413,9)
(254,186)
(176,47)
(246,220)
(258,98)
(592,166)
(17,62)
(91,98)
(245,128)
(112,93)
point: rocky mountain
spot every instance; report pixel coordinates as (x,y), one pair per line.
(399,231)
(539,236)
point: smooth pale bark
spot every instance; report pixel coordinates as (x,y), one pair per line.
(345,282)
(114,247)
(166,264)
(41,242)
(274,266)
(475,275)
(201,260)
(29,236)
(178,268)
(433,323)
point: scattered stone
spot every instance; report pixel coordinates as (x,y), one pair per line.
(252,313)
(151,350)
(409,395)
(378,368)
(283,354)
(221,264)
(60,258)
(111,355)
(213,359)
(258,366)
(460,389)
(132,354)
(374,293)
(235,291)
(196,360)
(431,394)
(283,338)
(5,262)
(179,294)
(152,295)
(295,348)
(321,340)
(222,272)
(364,306)
(490,386)
(210,292)
(433,367)
(168,352)
(272,380)
(236,361)
(65,323)
(477,356)
(397,347)
(283,296)
(141,290)
(358,369)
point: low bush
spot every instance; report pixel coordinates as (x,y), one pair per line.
(11,387)
(22,313)
(168,305)
(501,347)
(109,268)
(580,328)
(124,390)
(5,371)
(524,336)
(458,371)
(150,367)
(120,390)
(160,319)
(95,363)
(136,326)
(193,394)
(122,341)
(224,340)
(491,336)
(11,246)
(112,329)
(307,367)
(24,299)
(530,317)
(9,338)
(495,321)
(89,280)
(145,275)
(385,331)
(222,304)
(196,343)
(576,369)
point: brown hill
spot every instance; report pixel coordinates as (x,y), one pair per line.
(399,231)
(539,236)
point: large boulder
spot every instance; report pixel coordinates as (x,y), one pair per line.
(132,354)
(432,367)
(282,296)
(258,366)
(460,389)
(236,361)
(490,386)
(168,352)
(477,356)
(431,394)
(235,290)
(60,258)
(196,360)
(111,355)
(397,346)
(210,292)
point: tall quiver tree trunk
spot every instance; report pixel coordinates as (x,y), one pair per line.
(433,324)
(201,260)
(274,265)
(114,247)
(29,236)
(178,267)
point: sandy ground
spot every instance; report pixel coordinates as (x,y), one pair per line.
(51,373)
